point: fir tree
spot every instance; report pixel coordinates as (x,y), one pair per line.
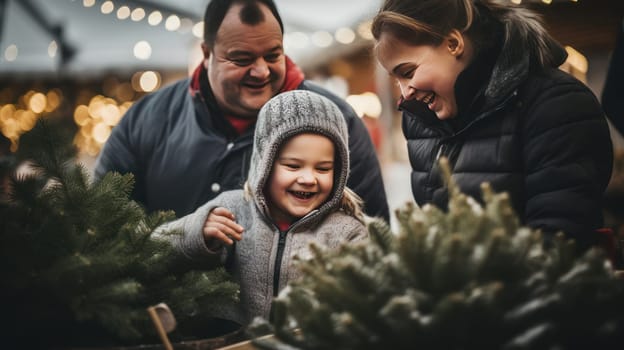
(77,263)
(469,278)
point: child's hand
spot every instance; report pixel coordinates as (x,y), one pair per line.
(221,227)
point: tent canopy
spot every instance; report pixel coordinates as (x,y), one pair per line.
(87,36)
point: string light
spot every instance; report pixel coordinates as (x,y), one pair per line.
(366,104)
(52,49)
(37,102)
(322,39)
(96,120)
(123,12)
(142,50)
(16,119)
(155,18)
(345,35)
(107,7)
(198,29)
(137,14)
(297,39)
(172,23)
(81,115)
(149,81)
(364,30)
(53,98)
(10,53)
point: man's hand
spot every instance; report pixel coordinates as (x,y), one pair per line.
(221,227)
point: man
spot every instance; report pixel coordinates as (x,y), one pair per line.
(192,140)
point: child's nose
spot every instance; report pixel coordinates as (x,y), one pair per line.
(306,177)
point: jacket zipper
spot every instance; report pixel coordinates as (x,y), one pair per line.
(440,153)
(278,261)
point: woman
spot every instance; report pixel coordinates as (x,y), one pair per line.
(480,85)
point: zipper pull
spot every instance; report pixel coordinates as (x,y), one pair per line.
(282,238)
(440,153)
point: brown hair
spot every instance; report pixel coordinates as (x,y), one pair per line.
(422,22)
(428,22)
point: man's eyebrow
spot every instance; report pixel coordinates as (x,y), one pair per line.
(249,53)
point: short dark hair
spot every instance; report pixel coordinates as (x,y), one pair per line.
(250,14)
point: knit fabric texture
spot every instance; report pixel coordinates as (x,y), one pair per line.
(289,114)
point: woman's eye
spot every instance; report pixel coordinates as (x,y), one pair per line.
(407,74)
(292,166)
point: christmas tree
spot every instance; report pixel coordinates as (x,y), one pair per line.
(469,278)
(77,262)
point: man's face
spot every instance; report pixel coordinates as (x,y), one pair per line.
(246,66)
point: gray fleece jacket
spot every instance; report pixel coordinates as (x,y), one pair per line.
(262,261)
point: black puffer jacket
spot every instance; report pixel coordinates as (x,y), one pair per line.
(183,152)
(538,134)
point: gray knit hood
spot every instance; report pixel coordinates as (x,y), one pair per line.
(289,114)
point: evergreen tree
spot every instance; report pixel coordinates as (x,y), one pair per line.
(469,278)
(77,263)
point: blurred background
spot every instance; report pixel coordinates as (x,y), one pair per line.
(86,61)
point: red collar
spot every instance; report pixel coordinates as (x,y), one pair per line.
(199,72)
(240,124)
(294,77)
(282,225)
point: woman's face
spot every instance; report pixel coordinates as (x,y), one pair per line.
(425,72)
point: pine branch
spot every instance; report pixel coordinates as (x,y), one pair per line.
(81,253)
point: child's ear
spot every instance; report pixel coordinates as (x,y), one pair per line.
(455,43)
